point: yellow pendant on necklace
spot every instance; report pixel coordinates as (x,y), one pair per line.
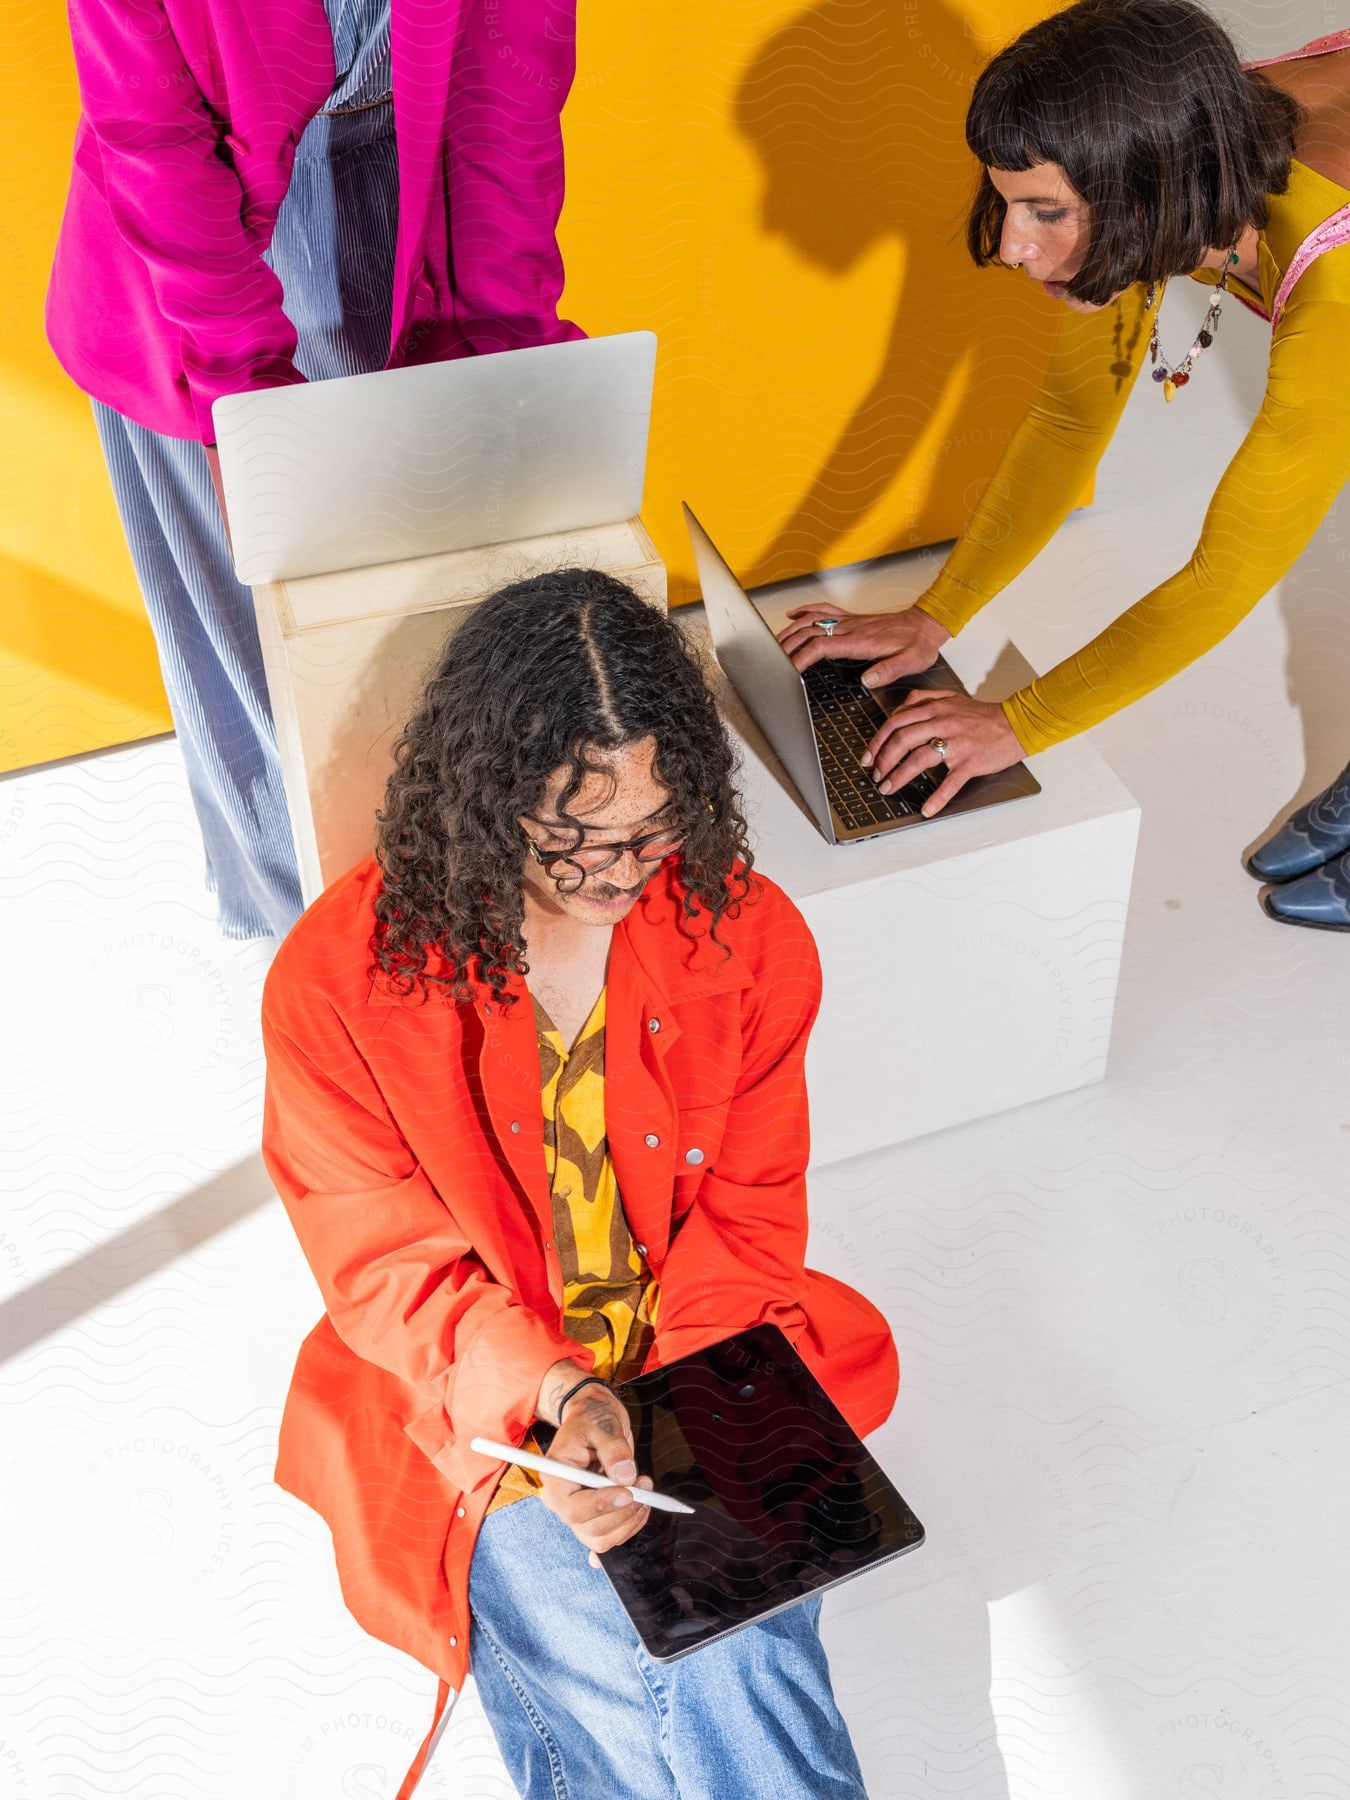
(1169,391)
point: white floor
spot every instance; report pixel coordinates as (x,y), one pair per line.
(1124,1315)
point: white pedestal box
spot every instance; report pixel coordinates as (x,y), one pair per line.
(347,656)
(970,963)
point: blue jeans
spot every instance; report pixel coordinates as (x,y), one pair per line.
(333,251)
(581,1712)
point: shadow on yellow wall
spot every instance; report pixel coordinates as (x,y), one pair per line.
(836,378)
(780,193)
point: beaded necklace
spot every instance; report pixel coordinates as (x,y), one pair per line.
(1176,376)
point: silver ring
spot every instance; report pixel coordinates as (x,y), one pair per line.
(827,626)
(940,745)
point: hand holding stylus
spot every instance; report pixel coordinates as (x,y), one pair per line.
(640,1490)
(594,1433)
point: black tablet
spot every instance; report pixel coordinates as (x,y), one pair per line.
(787,1499)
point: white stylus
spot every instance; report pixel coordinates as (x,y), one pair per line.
(544,1465)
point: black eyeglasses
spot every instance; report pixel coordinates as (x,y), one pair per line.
(591,859)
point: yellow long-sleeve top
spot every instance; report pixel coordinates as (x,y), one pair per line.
(1289,468)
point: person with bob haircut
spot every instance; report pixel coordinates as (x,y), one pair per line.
(1123,142)
(536,1108)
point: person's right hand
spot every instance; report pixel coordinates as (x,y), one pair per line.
(903,642)
(594,1434)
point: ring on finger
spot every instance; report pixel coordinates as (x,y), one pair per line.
(827,626)
(940,745)
(889,783)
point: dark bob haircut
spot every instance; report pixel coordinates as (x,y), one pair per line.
(540,677)
(1146,107)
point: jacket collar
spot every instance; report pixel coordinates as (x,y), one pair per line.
(678,956)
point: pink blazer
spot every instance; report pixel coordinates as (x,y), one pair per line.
(159,298)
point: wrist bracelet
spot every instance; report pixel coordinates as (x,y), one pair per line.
(585,1381)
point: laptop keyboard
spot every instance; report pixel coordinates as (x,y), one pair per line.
(845,716)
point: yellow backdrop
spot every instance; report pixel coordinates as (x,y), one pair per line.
(779,193)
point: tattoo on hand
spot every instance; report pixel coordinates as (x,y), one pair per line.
(600,1412)
(559,1379)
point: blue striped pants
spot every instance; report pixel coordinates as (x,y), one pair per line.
(333,251)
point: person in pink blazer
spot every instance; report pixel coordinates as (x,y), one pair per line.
(264,194)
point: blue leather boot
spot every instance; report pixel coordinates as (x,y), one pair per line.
(1321,899)
(1315,834)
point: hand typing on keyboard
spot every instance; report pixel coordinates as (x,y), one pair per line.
(977,736)
(895,644)
(844,715)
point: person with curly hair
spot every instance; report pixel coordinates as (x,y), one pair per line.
(536,1108)
(1122,142)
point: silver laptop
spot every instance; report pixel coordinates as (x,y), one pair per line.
(442,456)
(820,723)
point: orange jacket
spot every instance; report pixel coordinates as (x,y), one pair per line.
(406,1142)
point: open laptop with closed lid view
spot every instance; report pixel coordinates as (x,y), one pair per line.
(398,463)
(820,722)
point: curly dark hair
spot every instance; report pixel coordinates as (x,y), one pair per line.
(541,675)
(1146,107)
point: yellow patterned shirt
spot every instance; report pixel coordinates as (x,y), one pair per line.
(609,1294)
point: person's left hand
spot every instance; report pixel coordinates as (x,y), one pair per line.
(979,740)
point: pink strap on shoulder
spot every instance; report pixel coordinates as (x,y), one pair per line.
(1323,46)
(1332,232)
